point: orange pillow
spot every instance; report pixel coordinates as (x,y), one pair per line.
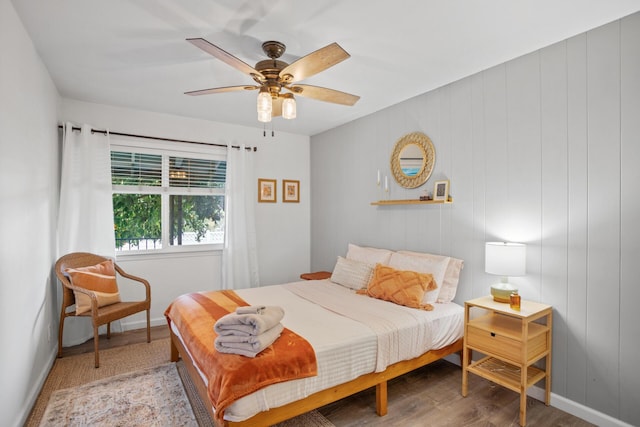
(401,286)
(100,279)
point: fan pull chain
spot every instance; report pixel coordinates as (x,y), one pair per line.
(264,130)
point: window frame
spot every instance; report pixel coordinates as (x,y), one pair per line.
(167,149)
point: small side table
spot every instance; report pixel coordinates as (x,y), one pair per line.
(512,341)
(318,275)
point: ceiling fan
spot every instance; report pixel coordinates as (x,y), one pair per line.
(273,75)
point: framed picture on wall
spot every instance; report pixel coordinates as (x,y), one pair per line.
(266,190)
(290,191)
(441,190)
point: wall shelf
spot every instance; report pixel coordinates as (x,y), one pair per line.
(412,202)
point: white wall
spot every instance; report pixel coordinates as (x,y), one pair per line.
(28,199)
(283,229)
(543,149)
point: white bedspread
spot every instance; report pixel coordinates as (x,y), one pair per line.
(345,347)
(401,334)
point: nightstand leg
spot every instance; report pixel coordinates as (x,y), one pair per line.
(523,396)
(547,380)
(466,353)
(547,383)
(465,374)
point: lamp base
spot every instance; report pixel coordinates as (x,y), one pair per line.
(501,292)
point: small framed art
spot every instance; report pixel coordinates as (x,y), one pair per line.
(441,191)
(267,190)
(290,191)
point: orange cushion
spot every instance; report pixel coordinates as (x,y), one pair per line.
(100,279)
(401,286)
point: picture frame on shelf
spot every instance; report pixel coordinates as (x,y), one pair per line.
(441,190)
(290,191)
(267,191)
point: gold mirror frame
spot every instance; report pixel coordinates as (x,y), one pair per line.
(425,145)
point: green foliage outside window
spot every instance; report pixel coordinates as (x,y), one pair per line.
(136,217)
(198,214)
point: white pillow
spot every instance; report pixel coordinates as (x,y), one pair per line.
(369,255)
(451,275)
(420,264)
(352,274)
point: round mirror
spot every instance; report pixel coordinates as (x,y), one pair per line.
(412,160)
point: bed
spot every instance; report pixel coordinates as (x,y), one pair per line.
(358,341)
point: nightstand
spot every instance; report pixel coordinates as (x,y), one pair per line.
(511,341)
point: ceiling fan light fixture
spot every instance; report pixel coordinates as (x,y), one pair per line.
(265,104)
(264,116)
(288,106)
(272,75)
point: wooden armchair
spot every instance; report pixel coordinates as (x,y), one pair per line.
(99,315)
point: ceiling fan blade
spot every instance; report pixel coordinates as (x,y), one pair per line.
(227,58)
(220,90)
(314,63)
(324,94)
(276,107)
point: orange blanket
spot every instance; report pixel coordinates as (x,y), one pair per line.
(233,376)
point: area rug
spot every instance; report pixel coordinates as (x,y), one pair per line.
(149,397)
(160,396)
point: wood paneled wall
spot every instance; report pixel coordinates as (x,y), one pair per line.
(543,149)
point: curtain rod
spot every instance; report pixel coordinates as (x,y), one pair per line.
(104,132)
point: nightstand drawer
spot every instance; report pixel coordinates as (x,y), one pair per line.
(494,343)
(502,336)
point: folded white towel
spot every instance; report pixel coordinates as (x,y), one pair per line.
(249,324)
(251,309)
(248,346)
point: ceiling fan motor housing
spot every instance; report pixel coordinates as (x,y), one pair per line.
(273,49)
(270,68)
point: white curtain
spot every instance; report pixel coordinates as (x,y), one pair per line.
(239,258)
(85,215)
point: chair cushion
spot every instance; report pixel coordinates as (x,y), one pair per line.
(401,287)
(100,279)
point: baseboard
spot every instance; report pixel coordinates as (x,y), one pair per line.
(28,404)
(574,408)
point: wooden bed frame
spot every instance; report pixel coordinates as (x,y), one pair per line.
(323,397)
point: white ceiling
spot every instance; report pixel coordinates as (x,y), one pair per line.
(133,53)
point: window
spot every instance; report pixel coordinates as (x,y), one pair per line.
(164,200)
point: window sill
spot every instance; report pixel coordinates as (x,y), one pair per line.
(183,252)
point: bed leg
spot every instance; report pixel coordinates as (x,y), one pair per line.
(174,352)
(381,399)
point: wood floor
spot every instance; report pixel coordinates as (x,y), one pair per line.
(429,396)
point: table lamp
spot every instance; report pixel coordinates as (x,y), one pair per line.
(505,259)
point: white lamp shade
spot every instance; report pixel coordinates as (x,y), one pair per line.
(505,259)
